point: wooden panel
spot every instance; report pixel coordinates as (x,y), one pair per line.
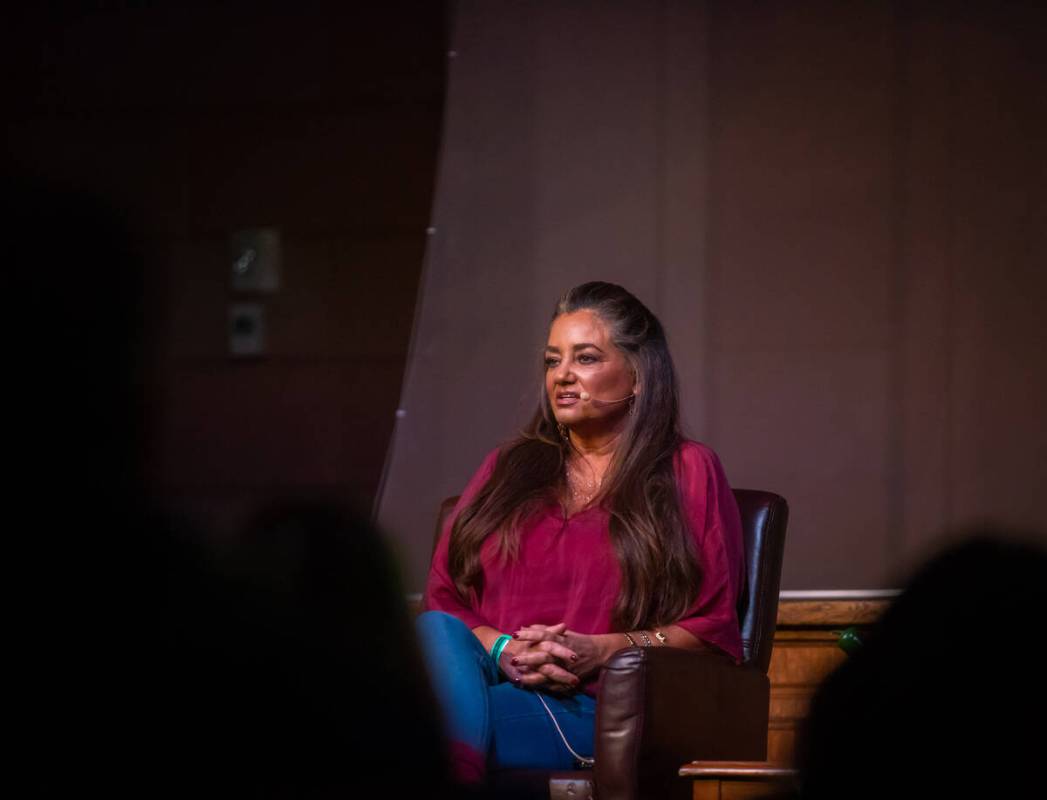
(706,790)
(751,770)
(799,662)
(805,653)
(781,741)
(746,790)
(830,612)
(789,704)
(796,670)
(718,781)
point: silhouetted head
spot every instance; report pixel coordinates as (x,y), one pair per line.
(948,686)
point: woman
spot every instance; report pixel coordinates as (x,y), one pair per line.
(599,528)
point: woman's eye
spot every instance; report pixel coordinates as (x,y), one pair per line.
(550,363)
(584,358)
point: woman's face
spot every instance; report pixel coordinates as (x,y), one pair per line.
(580,357)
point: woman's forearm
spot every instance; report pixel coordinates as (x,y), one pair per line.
(675,636)
(487,636)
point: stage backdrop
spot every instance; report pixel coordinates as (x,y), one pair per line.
(834,208)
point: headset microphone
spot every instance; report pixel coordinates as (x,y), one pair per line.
(585,396)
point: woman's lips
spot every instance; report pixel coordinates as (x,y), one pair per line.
(566,399)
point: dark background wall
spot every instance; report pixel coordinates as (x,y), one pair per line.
(192,122)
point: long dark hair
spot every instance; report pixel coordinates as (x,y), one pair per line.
(659,570)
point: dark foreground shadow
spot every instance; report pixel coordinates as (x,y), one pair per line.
(947,696)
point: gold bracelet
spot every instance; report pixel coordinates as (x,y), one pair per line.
(662,638)
(632,641)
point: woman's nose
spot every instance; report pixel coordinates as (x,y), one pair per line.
(563,374)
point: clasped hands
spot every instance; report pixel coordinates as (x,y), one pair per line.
(551,658)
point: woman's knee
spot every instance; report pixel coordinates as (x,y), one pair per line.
(448,644)
(439,626)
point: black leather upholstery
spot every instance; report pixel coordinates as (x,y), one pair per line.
(764,519)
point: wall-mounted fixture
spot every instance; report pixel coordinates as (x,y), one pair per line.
(255,260)
(246,329)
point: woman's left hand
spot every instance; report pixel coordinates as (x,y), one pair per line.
(589,652)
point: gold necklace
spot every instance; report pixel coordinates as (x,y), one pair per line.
(582,489)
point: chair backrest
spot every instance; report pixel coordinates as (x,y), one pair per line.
(764,519)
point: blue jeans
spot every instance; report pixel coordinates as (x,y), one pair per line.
(488,713)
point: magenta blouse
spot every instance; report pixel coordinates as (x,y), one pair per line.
(567,570)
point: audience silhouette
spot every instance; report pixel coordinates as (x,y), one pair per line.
(155,660)
(946,697)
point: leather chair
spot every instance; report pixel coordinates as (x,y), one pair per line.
(660,707)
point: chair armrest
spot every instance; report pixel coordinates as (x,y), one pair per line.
(739,770)
(659,707)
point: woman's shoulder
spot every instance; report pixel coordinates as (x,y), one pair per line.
(487,465)
(697,464)
(693,454)
(489,462)
(510,449)
(491,458)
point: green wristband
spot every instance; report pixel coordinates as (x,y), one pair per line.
(499,646)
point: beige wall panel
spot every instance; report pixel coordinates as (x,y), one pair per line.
(801,270)
(553,172)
